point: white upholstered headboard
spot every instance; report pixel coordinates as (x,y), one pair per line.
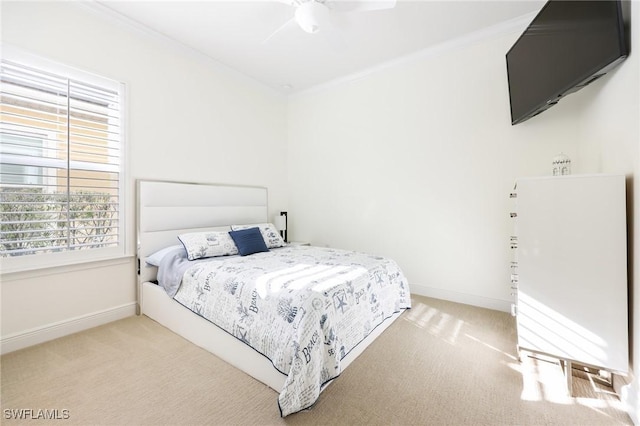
(168,209)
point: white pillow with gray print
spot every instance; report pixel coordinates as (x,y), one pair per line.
(208,244)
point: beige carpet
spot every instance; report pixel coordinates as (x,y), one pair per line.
(440,363)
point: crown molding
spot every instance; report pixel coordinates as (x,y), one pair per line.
(102,11)
(503,28)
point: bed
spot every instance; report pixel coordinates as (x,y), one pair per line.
(325,306)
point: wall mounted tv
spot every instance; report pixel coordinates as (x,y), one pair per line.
(569,44)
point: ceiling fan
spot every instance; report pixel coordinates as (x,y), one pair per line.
(312,15)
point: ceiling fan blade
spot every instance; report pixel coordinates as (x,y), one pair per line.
(289,24)
(360,5)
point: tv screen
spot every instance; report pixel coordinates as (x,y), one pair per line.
(568,45)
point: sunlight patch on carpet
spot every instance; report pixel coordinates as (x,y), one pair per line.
(437,323)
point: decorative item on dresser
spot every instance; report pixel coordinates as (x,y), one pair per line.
(561,165)
(290,315)
(570,271)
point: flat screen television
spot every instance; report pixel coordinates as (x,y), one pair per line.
(569,44)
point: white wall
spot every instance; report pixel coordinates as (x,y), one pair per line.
(610,143)
(416,162)
(188,119)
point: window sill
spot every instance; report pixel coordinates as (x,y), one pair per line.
(35,271)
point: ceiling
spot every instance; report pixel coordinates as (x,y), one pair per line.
(236,33)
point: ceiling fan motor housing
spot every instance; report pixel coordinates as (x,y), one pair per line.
(311,16)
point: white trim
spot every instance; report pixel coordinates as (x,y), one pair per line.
(32,269)
(51,66)
(467,299)
(503,28)
(58,329)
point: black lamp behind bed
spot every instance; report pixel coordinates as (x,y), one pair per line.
(281,224)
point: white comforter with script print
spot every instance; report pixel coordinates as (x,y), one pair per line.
(303,307)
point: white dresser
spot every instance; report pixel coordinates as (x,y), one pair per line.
(570,269)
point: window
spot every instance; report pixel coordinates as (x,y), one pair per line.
(60,162)
(21,173)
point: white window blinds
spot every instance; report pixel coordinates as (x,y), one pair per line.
(60,162)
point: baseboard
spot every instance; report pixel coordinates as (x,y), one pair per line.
(467,299)
(52,331)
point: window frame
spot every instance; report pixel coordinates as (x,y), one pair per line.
(37,261)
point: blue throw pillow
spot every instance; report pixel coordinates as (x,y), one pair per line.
(248,241)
